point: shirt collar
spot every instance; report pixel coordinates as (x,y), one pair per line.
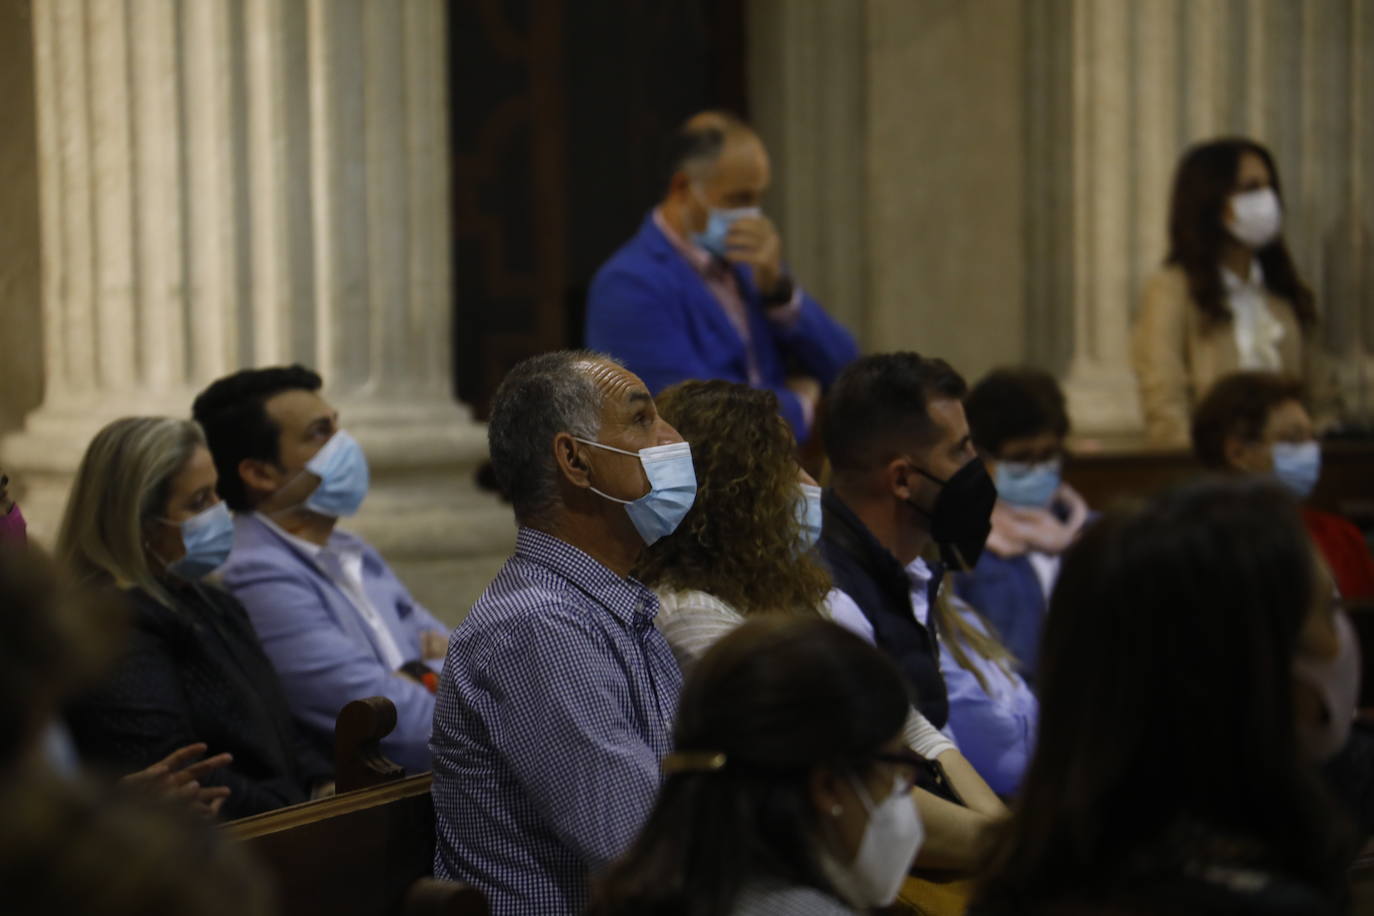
(335,546)
(700,259)
(918,572)
(1234,283)
(628,601)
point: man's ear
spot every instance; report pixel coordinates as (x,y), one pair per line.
(902,482)
(259,475)
(571,462)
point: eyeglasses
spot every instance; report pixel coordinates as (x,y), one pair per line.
(908,766)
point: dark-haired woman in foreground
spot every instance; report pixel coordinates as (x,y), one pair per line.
(788,791)
(1228,296)
(1195,670)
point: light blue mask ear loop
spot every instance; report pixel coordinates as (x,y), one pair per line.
(672,488)
(810,517)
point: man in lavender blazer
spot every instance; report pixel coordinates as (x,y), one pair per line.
(335,621)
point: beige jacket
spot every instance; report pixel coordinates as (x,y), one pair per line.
(1177,355)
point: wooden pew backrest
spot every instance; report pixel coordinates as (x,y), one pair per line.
(356,854)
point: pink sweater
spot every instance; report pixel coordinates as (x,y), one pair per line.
(13,529)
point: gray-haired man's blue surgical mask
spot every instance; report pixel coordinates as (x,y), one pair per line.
(672,488)
(718,223)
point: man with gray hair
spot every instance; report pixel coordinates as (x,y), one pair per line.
(558,694)
(701,290)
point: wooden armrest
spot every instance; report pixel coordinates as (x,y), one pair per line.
(436,897)
(358,759)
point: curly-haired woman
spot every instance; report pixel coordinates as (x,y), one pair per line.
(745,549)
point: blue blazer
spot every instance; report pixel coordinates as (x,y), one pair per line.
(650,308)
(325,655)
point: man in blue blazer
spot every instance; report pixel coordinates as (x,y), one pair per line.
(335,621)
(701,291)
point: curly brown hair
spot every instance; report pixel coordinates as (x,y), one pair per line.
(739,541)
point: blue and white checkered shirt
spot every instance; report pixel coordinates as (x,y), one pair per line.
(555,707)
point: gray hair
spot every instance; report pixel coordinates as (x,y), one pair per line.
(541,397)
(696,145)
(122,485)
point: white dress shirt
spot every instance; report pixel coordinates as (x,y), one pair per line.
(343,565)
(1257,331)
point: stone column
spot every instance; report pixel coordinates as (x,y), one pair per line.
(1100,385)
(233,183)
(1118,90)
(808,100)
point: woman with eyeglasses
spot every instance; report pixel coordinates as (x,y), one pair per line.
(788,787)
(143,519)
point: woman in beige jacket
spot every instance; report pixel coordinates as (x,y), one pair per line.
(1228,296)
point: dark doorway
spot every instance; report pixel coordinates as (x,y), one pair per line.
(560,109)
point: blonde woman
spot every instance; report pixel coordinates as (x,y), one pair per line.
(143,518)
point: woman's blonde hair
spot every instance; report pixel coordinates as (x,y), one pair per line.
(959,635)
(122,484)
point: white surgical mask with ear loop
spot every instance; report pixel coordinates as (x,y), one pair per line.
(1256,217)
(890,842)
(672,488)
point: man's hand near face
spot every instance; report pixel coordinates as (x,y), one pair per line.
(754,241)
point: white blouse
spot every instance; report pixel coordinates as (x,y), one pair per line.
(1257,331)
(692,621)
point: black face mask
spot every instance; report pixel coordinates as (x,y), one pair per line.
(962,517)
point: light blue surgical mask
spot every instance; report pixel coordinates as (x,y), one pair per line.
(208,537)
(1030,486)
(809,516)
(1298,465)
(344,477)
(718,223)
(672,488)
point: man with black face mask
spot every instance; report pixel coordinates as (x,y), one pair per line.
(906,485)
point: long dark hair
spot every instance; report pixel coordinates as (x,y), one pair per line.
(1175,624)
(778,697)
(1205,179)
(739,540)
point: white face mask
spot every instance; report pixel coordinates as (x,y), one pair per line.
(890,842)
(1256,217)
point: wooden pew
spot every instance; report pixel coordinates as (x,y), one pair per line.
(366,851)
(1106,476)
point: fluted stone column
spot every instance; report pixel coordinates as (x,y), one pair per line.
(231,183)
(1136,83)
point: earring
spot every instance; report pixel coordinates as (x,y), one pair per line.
(836,810)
